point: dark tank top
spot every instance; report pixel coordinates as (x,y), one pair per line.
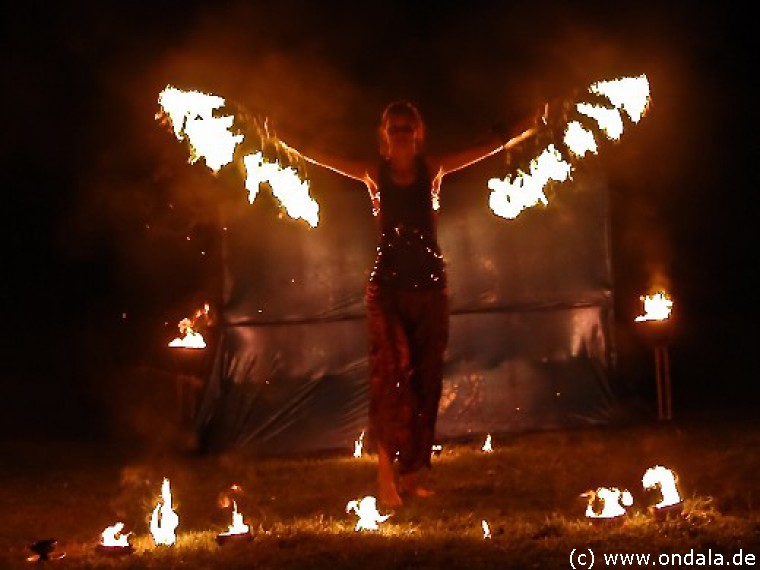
(408,254)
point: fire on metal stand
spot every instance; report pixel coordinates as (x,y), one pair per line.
(656,328)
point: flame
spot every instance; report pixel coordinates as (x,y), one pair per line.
(609,120)
(237,526)
(112,536)
(358,445)
(437,448)
(613,501)
(288,188)
(510,197)
(579,140)
(191,114)
(487,448)
(656,308)
(629,95)
(486,529)
(164,521)
(666,479)
(188,336)
(366,510)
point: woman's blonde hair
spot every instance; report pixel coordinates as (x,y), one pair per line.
(401,109)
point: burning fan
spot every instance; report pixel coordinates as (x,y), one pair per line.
(192,116)
(605,108)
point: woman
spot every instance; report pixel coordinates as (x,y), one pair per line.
(406,297)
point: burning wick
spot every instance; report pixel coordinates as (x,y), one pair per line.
(487,448)
(666,480)
(656,308)
(366,510)
(238,528)
(613,502)
(164,521)
(358,446)
(486,529)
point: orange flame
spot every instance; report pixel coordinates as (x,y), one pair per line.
(238,526)
(613,502)
(656,308)
(112,536)
(359,445)
(366,510)
(666,480)
(163,520)
(188,336)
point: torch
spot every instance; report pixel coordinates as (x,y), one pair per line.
(656,327)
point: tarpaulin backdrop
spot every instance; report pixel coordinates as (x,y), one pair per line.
(531,312)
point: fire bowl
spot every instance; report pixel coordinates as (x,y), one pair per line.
(667,513)
(115,550)
(655,332)
(606,522)
(224,538)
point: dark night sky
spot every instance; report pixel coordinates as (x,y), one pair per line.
(85,166)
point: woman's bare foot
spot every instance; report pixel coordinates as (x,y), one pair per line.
(386,484)
(411,484)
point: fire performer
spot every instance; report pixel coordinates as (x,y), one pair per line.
(406,297)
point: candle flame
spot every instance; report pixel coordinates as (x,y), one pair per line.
(358,445)
(112,536)
(164,521)
(666,480)
(366,510)
(486,529)
(238,526)
(487,448)
(656,308)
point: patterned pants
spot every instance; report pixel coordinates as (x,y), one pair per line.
(408,333)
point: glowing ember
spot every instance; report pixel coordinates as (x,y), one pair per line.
(112,536)
(358,445)
(366,510)
(191,114)
(666,480)
(487,448)
(164,521)
(486,529)
(613,502)
(188,336)
(510,197)
(237,526)
(656,308)
(288,188)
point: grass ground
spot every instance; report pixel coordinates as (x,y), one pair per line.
(527,490)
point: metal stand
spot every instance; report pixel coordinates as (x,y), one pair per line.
(662,375)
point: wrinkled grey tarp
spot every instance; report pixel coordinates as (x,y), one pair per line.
(531,300)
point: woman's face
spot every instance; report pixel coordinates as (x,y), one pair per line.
(401,131)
